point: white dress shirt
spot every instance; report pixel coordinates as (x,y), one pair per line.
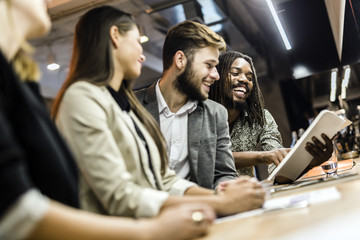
(174,127)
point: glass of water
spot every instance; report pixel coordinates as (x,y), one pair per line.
(330,167)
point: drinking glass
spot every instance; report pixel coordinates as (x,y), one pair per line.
(330,167)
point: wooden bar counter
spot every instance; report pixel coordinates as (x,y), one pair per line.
(329,219)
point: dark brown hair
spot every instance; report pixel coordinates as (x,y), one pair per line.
(92,61)
(189,36)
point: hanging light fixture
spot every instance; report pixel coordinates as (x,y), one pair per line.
(345,81)
(51,59)
(144,39)
(278,24)
(334,72)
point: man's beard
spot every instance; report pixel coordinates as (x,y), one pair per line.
(188,87)
(237,105)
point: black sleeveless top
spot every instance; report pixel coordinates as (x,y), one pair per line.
(32,152)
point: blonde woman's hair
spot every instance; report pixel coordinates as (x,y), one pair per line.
(189,36)
(25,67)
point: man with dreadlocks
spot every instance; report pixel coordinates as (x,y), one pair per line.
(252,127)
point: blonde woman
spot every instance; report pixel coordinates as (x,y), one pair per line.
(34,161)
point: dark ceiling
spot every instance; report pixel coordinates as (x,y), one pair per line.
(248,27)
(304,71)
(307,25)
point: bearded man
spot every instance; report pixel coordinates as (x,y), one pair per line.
(195,128)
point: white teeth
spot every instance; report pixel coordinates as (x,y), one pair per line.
(241,89)
(207,84)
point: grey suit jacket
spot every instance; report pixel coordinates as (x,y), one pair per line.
(210,157)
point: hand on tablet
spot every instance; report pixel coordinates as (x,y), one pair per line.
(321,152)
(274,156)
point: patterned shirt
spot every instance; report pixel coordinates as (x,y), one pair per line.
(246,137)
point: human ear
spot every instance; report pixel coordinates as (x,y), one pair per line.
(114,36)
(180,60)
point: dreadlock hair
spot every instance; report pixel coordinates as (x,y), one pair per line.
(222,89)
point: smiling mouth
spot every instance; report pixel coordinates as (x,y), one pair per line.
(242,90)
(207,84)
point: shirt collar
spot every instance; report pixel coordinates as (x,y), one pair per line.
(189,106)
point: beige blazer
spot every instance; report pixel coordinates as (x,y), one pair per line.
(115,177)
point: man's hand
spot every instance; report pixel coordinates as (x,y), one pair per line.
(320,152)
(274,156)
(241,194)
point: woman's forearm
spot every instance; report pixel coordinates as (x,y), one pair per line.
(62,222)
(193,194)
